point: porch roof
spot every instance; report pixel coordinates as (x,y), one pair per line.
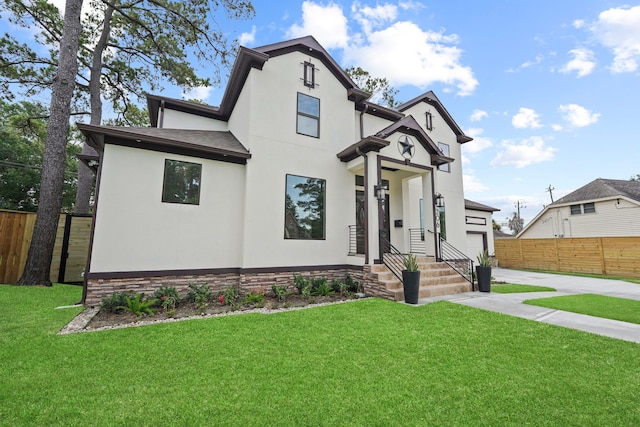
(370,143)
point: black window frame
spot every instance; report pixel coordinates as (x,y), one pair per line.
(309,75)
(446,167)
(183,198)
(428,120)
(296,234)
(306,115)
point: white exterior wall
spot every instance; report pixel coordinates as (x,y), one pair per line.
(178,120)
(611,219)
(136,231)
(277,150)
(473,220)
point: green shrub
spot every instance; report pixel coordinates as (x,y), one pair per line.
(231,295)
(323,289)
(167,297)
(300,283)
(256,298)
(113,302)
(316,283)
(199,294)
(280,292)
(139,306)
(352,285)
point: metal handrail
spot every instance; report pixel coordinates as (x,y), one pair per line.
(416,241)
(392,258)
(356,235)
(457,260)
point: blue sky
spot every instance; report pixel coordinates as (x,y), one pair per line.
(550,90)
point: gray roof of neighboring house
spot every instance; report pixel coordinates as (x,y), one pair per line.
(602,189)
(217,145)
(470,204)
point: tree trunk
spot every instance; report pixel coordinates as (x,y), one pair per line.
(36,271)
(85,175)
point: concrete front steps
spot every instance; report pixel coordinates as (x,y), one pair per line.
(436,278)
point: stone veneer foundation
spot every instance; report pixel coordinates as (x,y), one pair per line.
(98,287)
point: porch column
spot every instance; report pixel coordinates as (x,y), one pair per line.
(431,231)
(373,230)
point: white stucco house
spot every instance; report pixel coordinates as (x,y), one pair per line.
(602,208)
(296,171)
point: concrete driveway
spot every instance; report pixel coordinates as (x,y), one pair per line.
(511,304)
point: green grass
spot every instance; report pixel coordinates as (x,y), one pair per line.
(369,362)
(507,288)
(607,307)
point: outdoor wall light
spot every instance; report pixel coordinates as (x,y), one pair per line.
(380,191)
(439,200)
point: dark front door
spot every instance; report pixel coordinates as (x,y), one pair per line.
(385,231)
(360,221)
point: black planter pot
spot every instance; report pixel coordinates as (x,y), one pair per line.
(484,278)
(411,285)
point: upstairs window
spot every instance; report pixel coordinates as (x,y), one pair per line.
(575,209)
(589,208)
(429,120)
(445,150)
(308,116)
(309,75)
(181,182)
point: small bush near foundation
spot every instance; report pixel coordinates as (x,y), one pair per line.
(280,292)
(317,283)
(167,297)
(138,305)
(199,295)
(323,289)
(352,285)
(113,302)
(231,295)
(300,283)
(256,298)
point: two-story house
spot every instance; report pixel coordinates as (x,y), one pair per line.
(296,171)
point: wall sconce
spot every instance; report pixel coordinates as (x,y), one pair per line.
(438,200)
(380,191)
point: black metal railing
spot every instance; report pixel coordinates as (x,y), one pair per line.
(458,261)
(417,243)
(356,240)
(392,258)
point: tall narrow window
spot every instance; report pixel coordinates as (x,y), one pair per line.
(429,120)
(181,182)
(445,150)
(308,115)
(309,74)
(304,208)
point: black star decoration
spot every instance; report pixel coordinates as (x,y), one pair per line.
(406,146)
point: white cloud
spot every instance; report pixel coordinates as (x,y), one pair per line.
(478,115)
(538,59)
(326,23)
(479,142)
(247,38)
(578,23)
(373,17)
(619,29)
(412,56)
(578,116)
(526,118)
(472,184)
(410,5)
(557,127)
(524,153)
(582,62)
(201,92)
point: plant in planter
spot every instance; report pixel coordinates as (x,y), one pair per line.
(411,279)
(483,272)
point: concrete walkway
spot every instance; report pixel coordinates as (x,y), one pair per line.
(511,304)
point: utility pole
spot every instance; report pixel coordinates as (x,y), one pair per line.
(549,190)
(518,204)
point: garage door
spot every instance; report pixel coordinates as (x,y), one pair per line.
(475,245)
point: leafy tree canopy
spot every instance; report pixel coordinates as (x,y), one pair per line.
(379,87)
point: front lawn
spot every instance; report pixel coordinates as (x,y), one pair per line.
(368,362)
(622,309)
(507,288)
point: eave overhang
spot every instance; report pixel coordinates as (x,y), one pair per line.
(364,146)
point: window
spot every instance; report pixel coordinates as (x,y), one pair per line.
(445,150)
(308,115)
(575,210)
(309,75)
(304,208)
(181,182)
(429,120)
(589,208)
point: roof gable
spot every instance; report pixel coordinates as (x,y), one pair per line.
(431,99)
(602,189)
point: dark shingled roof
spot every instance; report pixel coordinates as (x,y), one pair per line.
(218,145)
(602,189)
(470,204)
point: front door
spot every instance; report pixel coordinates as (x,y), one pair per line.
(385,231)
(360,220)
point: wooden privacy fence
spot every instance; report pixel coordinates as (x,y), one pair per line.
(616,256)
(72,240)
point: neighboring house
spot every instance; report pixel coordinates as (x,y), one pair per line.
(287,175)
(602,208)
(479,224)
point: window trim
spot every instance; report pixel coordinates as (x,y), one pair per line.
(428,120)
(309,71)
(164,182)
(309,116)
(592,208)
(575,209)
